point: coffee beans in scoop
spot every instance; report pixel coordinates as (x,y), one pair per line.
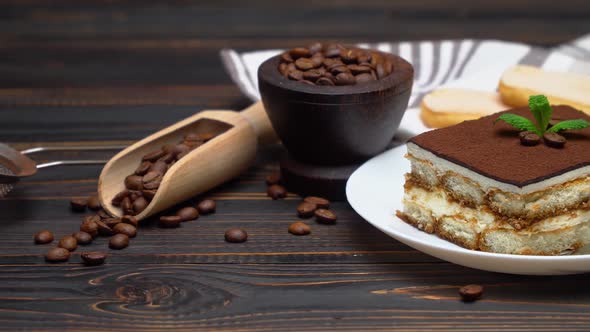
(334,64)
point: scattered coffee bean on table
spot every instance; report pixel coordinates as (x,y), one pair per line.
(299,228)
(68,242)
(321,203)
(276,191)
(78,204)
(94,203)
(325,216)
(89,226)
(93,258)
(82,237)
(131,220)
(306,209)
(470,293)
(126,229)
(169,221)
(43,237)
(207,206)
(55,255)
(188,213)
(236,235)
(273,178)
(104,229)
(119,241)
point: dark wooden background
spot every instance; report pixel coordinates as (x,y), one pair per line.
(103,72)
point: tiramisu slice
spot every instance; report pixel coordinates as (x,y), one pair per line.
(494,188)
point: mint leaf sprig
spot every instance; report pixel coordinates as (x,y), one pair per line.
(542,111)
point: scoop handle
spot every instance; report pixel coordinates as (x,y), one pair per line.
(259,120)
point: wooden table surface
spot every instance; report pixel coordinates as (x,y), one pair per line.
(78,72)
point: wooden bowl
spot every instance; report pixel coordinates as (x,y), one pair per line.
(335,125)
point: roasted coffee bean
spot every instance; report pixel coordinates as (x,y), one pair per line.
(188,213)
(152,180)
(68,242)
(376,59)
(388,66)
(364,59)
(299,52)
(348,56)
(333,50)
(127,206)
(119,241)
(207,206)
(529,138)
(283,68)
(131,220)
(335,70)
(169,221)
(160,167)
(182,155)
(299,228)
(94,203)
(143,168)
(111,222)
(168,158)
(276,192)
(325,216)
(344,79)
(320,202)
(306,210)
(126,229)
(104,229)
(471,293)
(78,204)
(43,237)
(315,48)
(55,255)
(317,60)
(116,201)
(324,81)
(93,218)
(139,205)
(149,194)
(357,69)
(133,182)
(312,75)
(102,214)
(236,235)
(286,57)
(153,156)
(273,178)
(134,194)
(93,258)
(554,140)
(295,75)
(304,64)
(206,136)
(90,227)
(82,238)
(364,78)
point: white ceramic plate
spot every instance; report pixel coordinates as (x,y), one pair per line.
(375,191)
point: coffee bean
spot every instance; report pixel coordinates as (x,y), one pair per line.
(159,167)
(139,205)
(273,178)
(78,204)
(471,293)
(116,201)
(143,168)
(168,158)
(188,213)
(333,50)
(169,221)
(348,56)
(55,255)
(299,52)
(529,138)
(344,79)
(321,203)
(299,228)
(364,78)
(312,75)
(68,242)
(126,206)
(325,216)
(152,180)
(295,75)
(131,220)
(133,182)
(111,222)
(306,210)
(181,148)
(90,227)
(376,59)
(133,195)
(276,192)
(43,237)
(554,140)
(324,81)
(286,57)
(82,238)
(339,70)
(119,241)
(304,64)
(102,214)
(104,229)
(149,194)
(357,69)
(315,48)
(236,235)
(207,206)
(94,203)
(153,156)
(93,258)
(283,69)
(317,59)
(126,229)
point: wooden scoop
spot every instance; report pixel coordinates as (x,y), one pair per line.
(225,156)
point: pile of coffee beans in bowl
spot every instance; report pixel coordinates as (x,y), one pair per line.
(334,64)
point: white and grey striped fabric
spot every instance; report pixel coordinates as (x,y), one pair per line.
(468,63)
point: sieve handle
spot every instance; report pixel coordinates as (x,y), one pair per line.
(71,162)
(73,148)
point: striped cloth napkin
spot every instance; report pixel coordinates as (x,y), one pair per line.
(468,63)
